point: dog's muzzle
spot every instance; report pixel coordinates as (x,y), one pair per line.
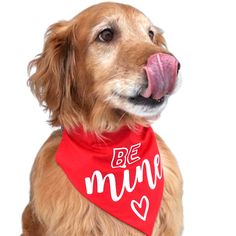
(161,70)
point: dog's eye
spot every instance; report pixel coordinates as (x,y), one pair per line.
(151,34)
(106,35)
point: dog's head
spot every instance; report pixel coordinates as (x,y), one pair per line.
(107,67)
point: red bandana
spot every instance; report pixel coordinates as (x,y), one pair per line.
(120,173)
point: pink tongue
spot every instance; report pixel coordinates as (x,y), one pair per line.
(161,70)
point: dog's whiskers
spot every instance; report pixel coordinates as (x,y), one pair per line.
(122,116)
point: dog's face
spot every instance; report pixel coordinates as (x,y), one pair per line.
(98,69)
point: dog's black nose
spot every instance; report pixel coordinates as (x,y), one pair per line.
(178,67)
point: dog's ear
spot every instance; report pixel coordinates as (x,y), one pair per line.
(53,79)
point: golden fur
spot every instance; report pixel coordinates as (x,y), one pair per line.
(74,79)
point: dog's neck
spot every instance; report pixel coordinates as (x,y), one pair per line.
(91,138)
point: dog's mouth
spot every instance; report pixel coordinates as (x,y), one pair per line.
(140,105)
(138,100)
(149,102)
(148,96)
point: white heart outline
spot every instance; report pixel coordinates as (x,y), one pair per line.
(140,203)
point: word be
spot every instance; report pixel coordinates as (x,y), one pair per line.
(123,155)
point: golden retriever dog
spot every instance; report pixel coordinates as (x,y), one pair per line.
(92,73)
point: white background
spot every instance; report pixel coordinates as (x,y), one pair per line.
(198,123)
